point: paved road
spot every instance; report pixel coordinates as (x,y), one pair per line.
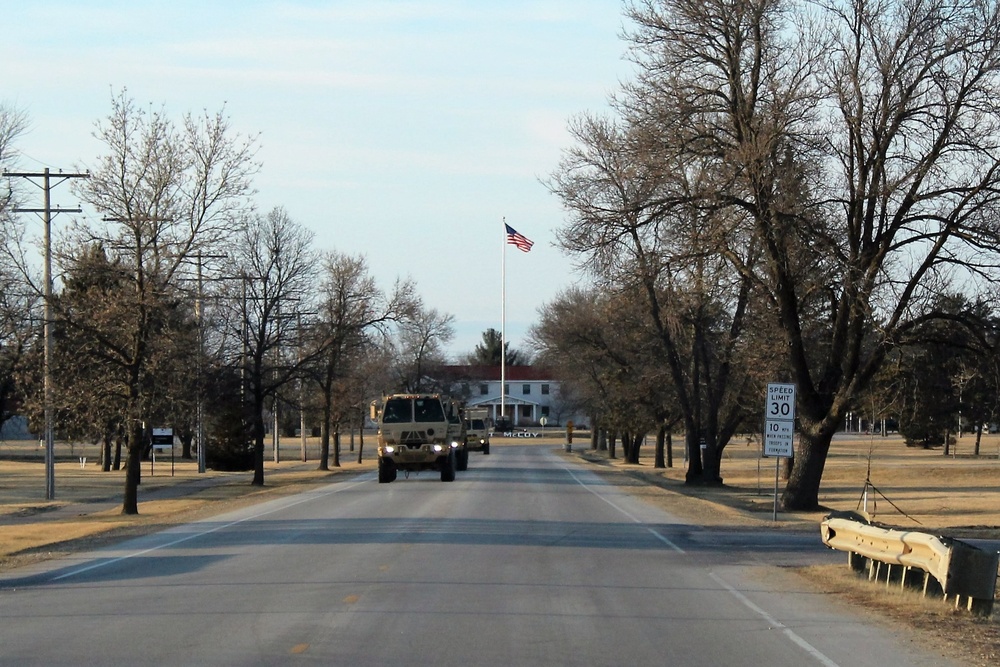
(524,560)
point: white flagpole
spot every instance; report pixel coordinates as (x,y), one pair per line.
(503,324)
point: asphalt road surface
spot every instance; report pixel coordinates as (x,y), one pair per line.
(525,559)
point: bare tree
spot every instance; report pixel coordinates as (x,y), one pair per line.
(276,266)
(95,299)
(858,143)
(602,344)
(633,219)
(421,338)
(13,123)
(16,300)
(165,193)
(352,309)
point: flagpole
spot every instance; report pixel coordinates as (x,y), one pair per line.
(503,324)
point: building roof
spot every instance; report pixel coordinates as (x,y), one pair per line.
(492,374)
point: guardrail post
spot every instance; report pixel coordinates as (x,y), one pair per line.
(931,585)
(856,561)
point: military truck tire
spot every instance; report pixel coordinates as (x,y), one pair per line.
(386,471)
(462,460)
(486,448)
(448,469)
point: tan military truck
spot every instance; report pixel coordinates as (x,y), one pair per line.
(457,435)
(477,428)
(413,436)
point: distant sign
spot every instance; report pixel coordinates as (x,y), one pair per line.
(779,420)
(162,439)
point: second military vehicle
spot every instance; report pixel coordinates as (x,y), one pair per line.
(477,429)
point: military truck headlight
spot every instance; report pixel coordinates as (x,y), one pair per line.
(454,444)
(438,448)
(389,449)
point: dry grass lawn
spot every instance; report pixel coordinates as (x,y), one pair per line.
(913,488)
(86,510)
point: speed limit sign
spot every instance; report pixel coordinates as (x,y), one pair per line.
(779,419)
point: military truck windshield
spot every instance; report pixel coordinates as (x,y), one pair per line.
(397,410)
(478,425)
(428,410)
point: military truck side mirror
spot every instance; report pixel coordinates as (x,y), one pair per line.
(373,411)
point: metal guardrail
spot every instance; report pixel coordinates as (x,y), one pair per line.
(949,567)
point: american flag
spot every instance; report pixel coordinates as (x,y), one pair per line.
(521,241)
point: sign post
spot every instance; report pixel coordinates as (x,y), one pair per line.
(163,438)
(779,427)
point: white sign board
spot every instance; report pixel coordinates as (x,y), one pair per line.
(779,420)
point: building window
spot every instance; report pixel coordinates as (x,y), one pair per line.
(545,390)
(506,389)
(526,411)
(526,389)
(545,411)
(484,389)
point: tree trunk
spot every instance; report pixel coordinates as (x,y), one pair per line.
(802,490)
(692,442)
(612,444)
(117,465)
(787,464)
(324,439)
(979,438)
(133,466)
(632,453)
(106,452)
(186,438)
(658,459)
(336,446)
(257,428)
(711,473)
(324,444)
(670,449)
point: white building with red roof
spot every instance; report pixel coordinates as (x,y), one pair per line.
(531,394)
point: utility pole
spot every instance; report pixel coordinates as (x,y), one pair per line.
(47,212)
(200,410)
(302,390)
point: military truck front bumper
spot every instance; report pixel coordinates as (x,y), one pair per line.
(422,457)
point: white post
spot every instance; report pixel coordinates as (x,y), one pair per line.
(503,323)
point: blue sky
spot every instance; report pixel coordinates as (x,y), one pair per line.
(405,131)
